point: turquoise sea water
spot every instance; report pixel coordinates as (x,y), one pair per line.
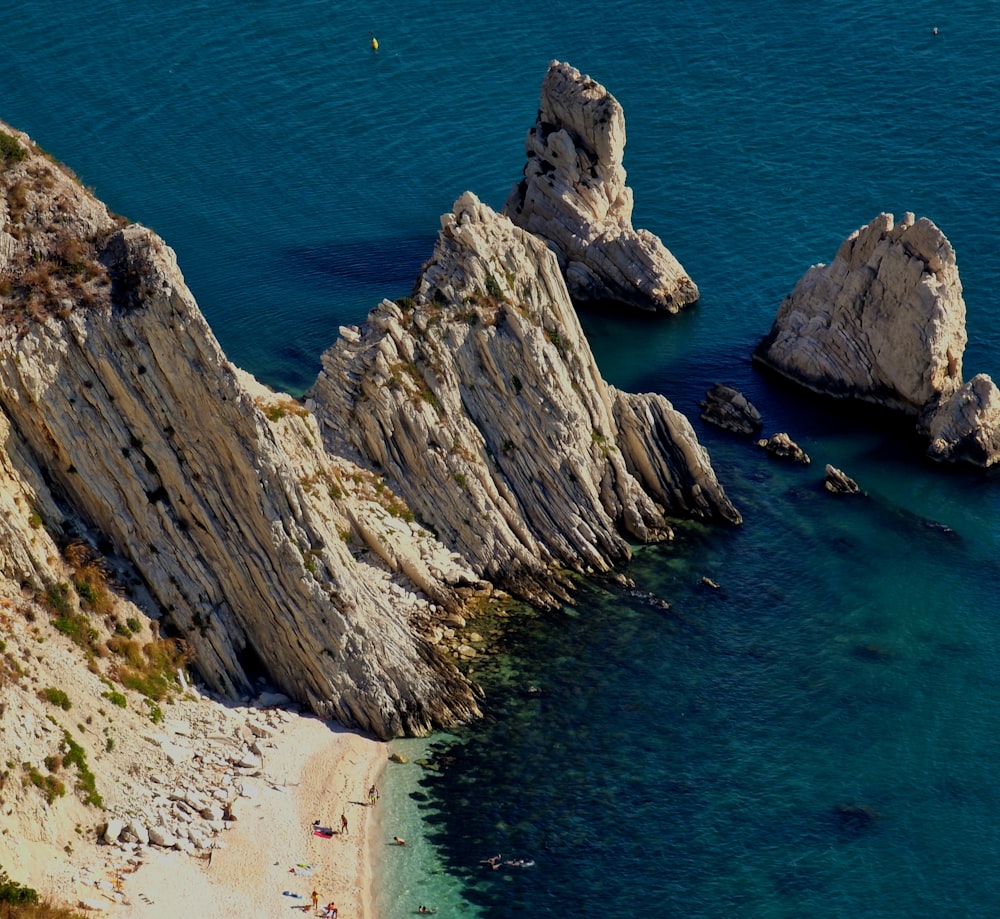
(818,737)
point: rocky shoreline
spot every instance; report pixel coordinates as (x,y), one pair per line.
(458,448)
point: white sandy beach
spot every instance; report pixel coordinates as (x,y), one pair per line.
(313,772)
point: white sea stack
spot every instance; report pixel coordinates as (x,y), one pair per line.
(574,196)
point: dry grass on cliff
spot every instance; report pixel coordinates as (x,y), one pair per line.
(59,234)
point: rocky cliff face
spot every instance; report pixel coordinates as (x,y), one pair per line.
(480,400)
(884,322)
(117,396)
(574,196)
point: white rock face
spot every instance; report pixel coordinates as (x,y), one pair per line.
(482,406)
(480,400)
(574,196)
(884,322)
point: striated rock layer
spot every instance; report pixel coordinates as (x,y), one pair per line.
(123,424)
(116,397)
(574,196)
(480,400)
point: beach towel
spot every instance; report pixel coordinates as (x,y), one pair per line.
(288,893)
(324,831)
(302,872)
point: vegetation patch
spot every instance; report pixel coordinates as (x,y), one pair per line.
(10,891)
(10,150)
(149,669)
(56,697)
(276,410)
(48,785)
(75,755)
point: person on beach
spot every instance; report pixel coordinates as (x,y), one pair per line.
(315,900)
(343,824)
(398,841)
(373,795)
(329,911)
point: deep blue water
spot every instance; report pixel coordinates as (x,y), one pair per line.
(820,735)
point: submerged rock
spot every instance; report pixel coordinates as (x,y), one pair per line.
(574,196)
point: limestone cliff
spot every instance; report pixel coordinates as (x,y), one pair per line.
(479,399)
(574,196)
(884,322)
(117,398)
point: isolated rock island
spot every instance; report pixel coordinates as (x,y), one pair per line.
(884,323)
(574,196)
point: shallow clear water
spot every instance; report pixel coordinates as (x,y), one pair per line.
(817,737)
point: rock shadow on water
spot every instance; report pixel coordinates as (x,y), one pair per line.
(850,820)
(392,264)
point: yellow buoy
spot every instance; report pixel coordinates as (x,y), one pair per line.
(374,43)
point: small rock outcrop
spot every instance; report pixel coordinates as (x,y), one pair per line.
(480,400)
(966,427)
(781,446)
(574,196)
(838,482)
(883,323)
(729,409)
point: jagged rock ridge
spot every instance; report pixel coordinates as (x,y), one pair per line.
(574,196)
(480,399)
(124,420)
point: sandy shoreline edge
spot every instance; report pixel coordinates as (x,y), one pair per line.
(313,770)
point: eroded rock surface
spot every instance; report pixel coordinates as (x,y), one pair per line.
(838,482)
(885,323)
(966,427)
(781,446)
(480,400)
(574,196)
